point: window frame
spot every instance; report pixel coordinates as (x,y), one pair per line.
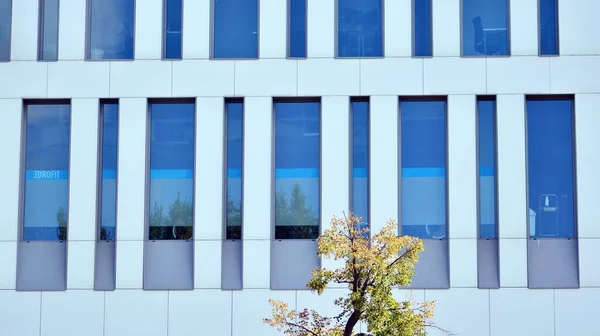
(212,35)
(225,166)
(289,30)
(41,26)
(360,99)
(462,33)
(164,32)
(88,34)
(414,30)
(10,22)
(99,189)
(336,33)
(539,29)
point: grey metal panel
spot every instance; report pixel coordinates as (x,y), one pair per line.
(42,266)
(432,269)
(169,265)
(104,269)
(292,262)
(553,263)
(231,267)
(488,275)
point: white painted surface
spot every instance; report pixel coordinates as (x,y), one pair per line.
(513,262)
(78,79)
(398,25)
(10,166)
(24,30)
(446,27)
(71,30)
(328,77)
(266,77)
(80,264)
(273,29)
(72,313)
(454,75)
(192,78)
(524,27)
(196,38)
(463,263)
(207,260)
(321,30)
(578,23)
(518,75)
(391,76)
(148,29)
(135,312)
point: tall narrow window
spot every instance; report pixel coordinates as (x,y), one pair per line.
(486,133)
(46,172)
(172,29)
(548,21)
(297,28)
(422,41)
(110,29)
(5,29)
(297,170)
(360,28)
(485,27)
(48,48)
(550,168)
(108,195)
(423,159)
(235,29)
(235,145)
(360,160)
(171,170)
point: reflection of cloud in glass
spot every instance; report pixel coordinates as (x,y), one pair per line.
(111,29)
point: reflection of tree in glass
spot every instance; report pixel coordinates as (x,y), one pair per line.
(61,220)
(234,220)
(176,225)
(293,219)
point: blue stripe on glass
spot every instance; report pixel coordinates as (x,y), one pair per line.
(424,172)
(171,174)
(109,173)
(234,173)
(46,174)
(359,172)
(486,171)
(297,173)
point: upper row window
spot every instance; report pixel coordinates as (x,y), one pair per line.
(111,29)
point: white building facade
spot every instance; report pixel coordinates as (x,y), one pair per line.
(194,150)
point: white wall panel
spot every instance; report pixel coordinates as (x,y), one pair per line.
(129,264)
(578,26)
(83,169)
(213,306)
(207,263)
(256,264)
(136,313)
(141,79)
(321,30)
(148,29)
(78,79)
(446,27)
(391,76)
(383,146)
(250,307)
(518,75)
(398,28)
(589,272)
(573,74)
(19,313)
(580,321)
(273,29)
(132,169)
(27,79)
(463,262)
(513,262)
(72,313)
(266,77)
(587,138)
(454,75)
(462,167)
(8,265)
(192,78)
(71,29)
(196,37)
(524,27)
(512,202)
(209,169)
(24,33)
(463,312)
(522,312)
(10,152)
(329,77)
(80,264)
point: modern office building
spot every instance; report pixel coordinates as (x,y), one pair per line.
(166,165)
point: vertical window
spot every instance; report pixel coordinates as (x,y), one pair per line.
(172,28)
(422,40)
(48,48)
(46,194)
(297,28)
(171,170)
(235,145)
(360,161)
(550,168)
(297,170)
(548,21)
(423,159)
(486,146)
(110,29)
(485,27)
(360,27)
(108,188)
(5,29)
(235,30)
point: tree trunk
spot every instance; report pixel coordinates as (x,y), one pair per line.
(352,321)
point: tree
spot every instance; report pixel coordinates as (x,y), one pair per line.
(372,268)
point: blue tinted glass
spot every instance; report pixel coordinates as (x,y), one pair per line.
(234,169)
(422,27)
(550,168)
(5,25)
(111,29)
(297,162)
(47,172)
(297,28)
(108,212)
(173,29)
(171,170)
(49,31)
(423,180)
(548,27)
(487,166)
(235,29)
(360,28)
(360,161)
(485,27)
